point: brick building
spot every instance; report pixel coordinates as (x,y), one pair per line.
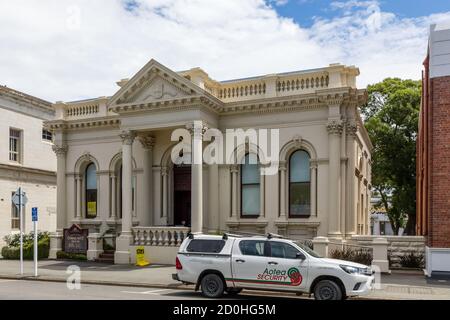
(433,153)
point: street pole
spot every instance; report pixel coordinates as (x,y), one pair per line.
(35,249)
(21,230)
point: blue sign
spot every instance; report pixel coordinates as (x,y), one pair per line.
(34,214)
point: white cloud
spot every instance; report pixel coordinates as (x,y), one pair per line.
(61,50)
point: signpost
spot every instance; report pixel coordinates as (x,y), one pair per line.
(20,200)
(34,218)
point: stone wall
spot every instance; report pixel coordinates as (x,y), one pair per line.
(398,246)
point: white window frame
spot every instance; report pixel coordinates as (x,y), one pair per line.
(15,155)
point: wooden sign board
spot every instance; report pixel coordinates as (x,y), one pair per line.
(75,240)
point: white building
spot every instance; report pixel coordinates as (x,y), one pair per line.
(115,168)
(26,160)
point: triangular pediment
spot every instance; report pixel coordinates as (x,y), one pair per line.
(154,82)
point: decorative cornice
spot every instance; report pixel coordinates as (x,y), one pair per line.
(83,124)
(59,150)
(127,137)
(335,126)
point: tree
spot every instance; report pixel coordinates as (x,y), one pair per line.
(391,118)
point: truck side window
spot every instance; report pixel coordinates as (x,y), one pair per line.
(206,246)
(253,247)
(283,250)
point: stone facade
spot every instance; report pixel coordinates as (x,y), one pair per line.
(34,169)
(128,139)
(433,153)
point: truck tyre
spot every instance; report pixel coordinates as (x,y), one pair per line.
(327,290)
(233,291)
(212,286)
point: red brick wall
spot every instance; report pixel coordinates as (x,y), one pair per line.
(439,184)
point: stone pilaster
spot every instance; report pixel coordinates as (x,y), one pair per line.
(122,254)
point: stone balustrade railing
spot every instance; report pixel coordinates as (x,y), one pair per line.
(88,110)
(159,236)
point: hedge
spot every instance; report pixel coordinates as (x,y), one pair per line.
(13,253)
(70,256)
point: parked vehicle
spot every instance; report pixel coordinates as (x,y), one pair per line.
(230,263)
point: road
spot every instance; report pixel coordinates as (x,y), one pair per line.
(43,290)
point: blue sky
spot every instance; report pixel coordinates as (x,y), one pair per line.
(62,51)
(304,11)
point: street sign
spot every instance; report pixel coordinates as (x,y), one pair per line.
(34,214)
(16,198)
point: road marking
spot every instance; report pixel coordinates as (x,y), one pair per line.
(156,292)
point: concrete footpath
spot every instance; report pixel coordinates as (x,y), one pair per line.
(399,285)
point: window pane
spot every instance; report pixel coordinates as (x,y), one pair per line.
(208,246)
(300,198)
(252,247)
(91,177)
(250,169)
(283,250)
(299,167)
(250,199)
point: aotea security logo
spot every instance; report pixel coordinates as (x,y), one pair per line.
(291,277)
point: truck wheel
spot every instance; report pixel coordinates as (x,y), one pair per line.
(212,286)
(327,290)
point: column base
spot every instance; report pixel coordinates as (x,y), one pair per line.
(336,235)
(122,254)
(55,244)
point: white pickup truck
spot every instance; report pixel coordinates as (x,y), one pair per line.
(230,263)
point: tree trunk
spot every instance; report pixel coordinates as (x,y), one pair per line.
(410,228)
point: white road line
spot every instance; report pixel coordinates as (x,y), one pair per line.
(148,292)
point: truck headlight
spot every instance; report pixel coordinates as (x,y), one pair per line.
(355,270)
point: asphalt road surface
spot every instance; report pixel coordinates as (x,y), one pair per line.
(43,290)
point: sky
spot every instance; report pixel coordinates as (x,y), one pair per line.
(65,50)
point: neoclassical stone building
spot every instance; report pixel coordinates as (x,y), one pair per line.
(115,168)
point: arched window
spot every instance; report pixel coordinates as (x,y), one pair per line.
(299,184)
(250,186)
(91,191)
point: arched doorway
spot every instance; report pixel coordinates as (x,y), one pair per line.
(182,195)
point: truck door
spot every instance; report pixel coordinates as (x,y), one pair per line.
(284,267)
(248,260)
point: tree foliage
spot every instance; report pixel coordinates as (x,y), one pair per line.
(391,118)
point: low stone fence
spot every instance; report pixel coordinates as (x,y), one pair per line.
(398,246)
(160,243)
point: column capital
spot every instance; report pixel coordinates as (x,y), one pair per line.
(147,141)
(164,171)
(59,150)
(313,164)
(196,128)
(335,126)
(234,168)
(127,137)
(351,127)
(282,165)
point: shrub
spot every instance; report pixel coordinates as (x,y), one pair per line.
(70,256)
(356,255)
(412,260)
(14,239)
(13,252)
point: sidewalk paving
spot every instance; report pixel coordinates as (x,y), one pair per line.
(399,285)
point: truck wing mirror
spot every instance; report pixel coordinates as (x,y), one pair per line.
(300,256)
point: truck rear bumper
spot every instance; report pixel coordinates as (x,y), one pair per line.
(175,277)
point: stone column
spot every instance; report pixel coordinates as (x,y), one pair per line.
(234,205)
(313,189)
(282,171)
(79,186)
(321,246)
(352,213)
(262,195)
(123,242)
(165,191)
(213,201)
(148,142)
(61,219)
(113,196)
(197,129)
(334,128)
